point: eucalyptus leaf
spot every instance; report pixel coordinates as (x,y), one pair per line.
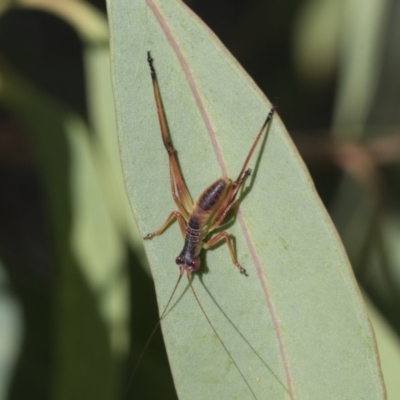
(296,327)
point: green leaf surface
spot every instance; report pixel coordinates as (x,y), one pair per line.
(296,327)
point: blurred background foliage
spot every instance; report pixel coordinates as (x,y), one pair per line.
(74,276)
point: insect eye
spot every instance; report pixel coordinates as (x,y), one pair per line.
(179,260)
(195,265)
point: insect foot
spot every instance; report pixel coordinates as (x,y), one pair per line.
(243,271)
(148,236)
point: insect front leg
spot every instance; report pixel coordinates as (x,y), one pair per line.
(221,236)
(174,215)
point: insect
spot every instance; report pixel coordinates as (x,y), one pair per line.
(197,220)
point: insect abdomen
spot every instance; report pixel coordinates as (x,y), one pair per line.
(204,208)
(211,196)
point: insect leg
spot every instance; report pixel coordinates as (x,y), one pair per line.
(179,190)
(225,235)
(257,139)
(224,208)
(174,215)
(229,201)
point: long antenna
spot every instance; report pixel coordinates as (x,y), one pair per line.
(219,338)
(142,353)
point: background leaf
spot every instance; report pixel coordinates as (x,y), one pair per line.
(296,327)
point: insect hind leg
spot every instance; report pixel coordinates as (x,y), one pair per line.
(179,190)
(230,201)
